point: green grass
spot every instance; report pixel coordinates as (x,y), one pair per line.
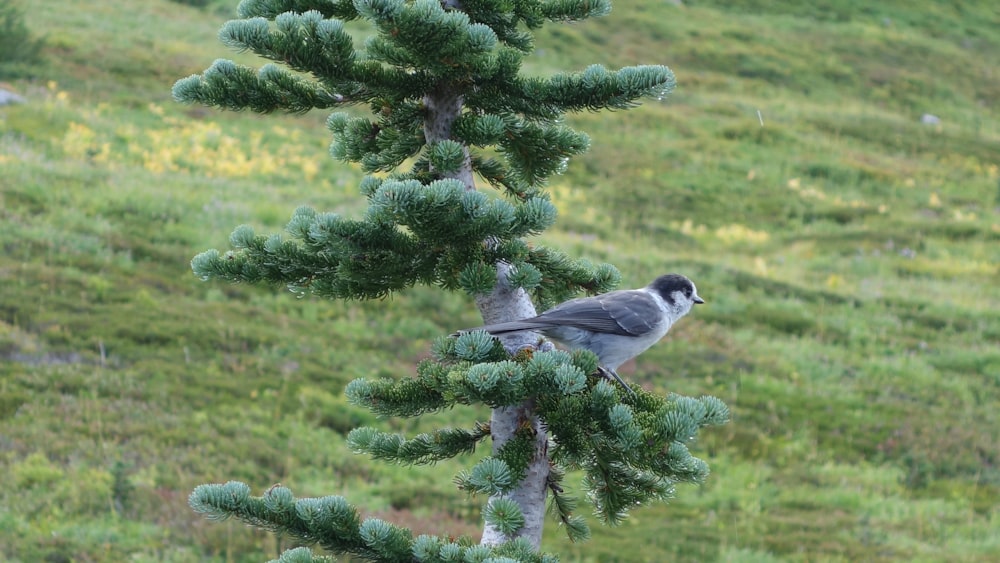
(849,254)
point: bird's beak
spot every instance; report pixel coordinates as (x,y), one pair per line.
(698,300)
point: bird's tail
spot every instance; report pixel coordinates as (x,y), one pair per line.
(506,328)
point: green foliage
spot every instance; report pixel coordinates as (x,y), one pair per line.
(490,476)
(564,505)
(425,69)
(300,555)
(421,227)
(335,524)
(20,49)
(413,233)
(122,488)
(894,384)
(423,449)
(505,515)
(631,452)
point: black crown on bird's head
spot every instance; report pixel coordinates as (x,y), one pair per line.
(666,286)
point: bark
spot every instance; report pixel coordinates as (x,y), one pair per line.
(443,107)
(505,303)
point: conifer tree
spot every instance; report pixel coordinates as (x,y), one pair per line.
(448,102)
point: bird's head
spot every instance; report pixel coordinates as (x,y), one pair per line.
(678,292)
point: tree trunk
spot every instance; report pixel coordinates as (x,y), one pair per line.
(504,303)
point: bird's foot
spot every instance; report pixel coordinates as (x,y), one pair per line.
(610,374)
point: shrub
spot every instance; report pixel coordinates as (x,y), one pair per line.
(19,50)
(195,3)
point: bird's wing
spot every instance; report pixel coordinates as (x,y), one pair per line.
(625,313)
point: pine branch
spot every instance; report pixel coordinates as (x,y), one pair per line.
(227,85)
(563,505)
(632,449)
(301,555)
(305,42)
(423,449)
(574,10)
(340,9)
(413,233)
(330,521)
(505,515)
(424,35)
(597,88)
(535,152)
(405,397)
(334,524)
(505,23)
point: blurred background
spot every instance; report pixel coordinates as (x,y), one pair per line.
(827,173)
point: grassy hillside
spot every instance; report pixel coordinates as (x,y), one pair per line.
(849,254)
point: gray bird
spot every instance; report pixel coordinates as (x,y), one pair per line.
(616,326)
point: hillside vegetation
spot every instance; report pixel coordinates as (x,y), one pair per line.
(848,251)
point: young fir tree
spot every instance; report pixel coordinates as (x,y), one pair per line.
(443,81)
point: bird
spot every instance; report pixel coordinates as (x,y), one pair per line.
(616,326)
